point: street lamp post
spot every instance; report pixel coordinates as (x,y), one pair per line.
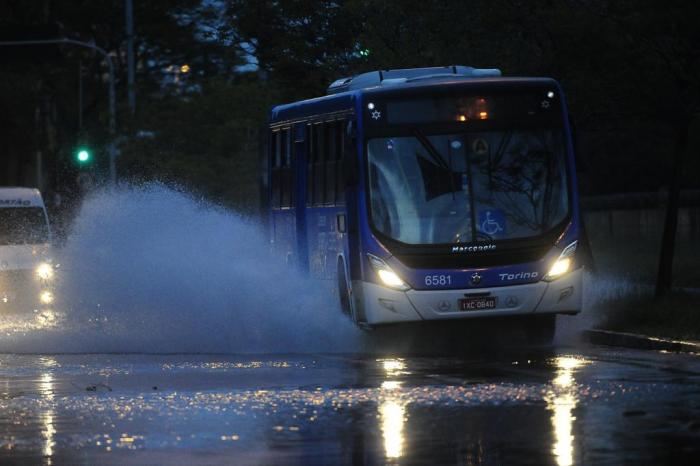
(112,148)
(129,7)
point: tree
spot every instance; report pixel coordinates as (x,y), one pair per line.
(301,47)
(40,96)
(666,39)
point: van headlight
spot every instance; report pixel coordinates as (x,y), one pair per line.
(44,271)
(563,264)
(46,297)
(387,276)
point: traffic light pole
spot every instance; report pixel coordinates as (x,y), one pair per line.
(112,148)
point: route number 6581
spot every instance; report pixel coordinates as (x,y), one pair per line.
(438,280)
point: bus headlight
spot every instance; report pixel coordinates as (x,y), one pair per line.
(387,276)
(44,271)
(563,264)
(559,268)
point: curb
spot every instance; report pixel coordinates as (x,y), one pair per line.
(636,341)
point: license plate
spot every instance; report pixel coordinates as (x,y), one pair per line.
(481,303)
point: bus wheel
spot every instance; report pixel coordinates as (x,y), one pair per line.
(344,291)
(541,329)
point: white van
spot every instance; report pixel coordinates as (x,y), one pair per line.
(26,269)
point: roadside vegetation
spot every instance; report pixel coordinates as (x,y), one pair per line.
(620,295)
(637,259)
(675,316)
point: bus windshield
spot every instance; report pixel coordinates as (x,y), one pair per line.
(468,187)
(23,225)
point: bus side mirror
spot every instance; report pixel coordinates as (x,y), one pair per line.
(351,167)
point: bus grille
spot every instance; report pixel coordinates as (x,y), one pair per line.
(484,259)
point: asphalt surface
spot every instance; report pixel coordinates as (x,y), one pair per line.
(586,405)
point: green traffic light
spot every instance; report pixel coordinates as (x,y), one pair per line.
(83,156)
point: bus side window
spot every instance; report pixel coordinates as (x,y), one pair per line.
(291,167)
(331,161)
(319,160)
(286,170)
(339,139)
(276,156)
(311,155)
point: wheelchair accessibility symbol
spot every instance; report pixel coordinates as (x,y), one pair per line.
(492,222)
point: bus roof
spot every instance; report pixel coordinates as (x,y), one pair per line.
(20,197)
(344,101)
(407,75)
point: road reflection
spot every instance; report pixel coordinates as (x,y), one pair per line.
(502,409)
(392,415)
(393,367)
(562,400)
(47,416)
(392,409)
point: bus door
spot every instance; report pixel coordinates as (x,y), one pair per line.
(283,194)
(300,160)
(326,214)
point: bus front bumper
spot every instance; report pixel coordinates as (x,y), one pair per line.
(381,305)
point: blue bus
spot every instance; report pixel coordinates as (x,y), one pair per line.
(431,194)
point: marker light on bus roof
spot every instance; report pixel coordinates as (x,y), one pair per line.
(387,276)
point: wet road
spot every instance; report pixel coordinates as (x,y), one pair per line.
(589,405)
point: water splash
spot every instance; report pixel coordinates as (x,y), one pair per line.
(598,290)
(150,269)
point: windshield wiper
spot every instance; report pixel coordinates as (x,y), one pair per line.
(436,156)
(432,151)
